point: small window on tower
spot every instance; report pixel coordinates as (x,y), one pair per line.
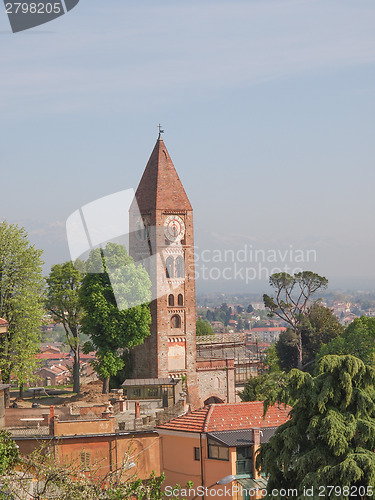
(169,267)
(180,299)
(176,321)
(171,300)
(180,267)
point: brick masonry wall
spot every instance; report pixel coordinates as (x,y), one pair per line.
(159,195)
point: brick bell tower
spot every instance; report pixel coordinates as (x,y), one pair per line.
(161,236)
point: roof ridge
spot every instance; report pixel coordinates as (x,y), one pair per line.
(208,417)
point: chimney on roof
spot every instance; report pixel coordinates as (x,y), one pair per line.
(256,436)
(137,408)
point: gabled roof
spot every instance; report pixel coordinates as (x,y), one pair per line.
(227,417)
(3,322)
(160,186)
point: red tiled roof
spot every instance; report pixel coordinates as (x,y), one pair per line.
(62,355)
(191,422)
(3,321)
(160,186)
(230,416)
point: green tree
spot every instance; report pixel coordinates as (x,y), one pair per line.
(64,282)
(224,307)
(330,437)
(270,360)
(269,379)
(358,339)
(319,327)
(286,349)
(21,303)
(250,308)
(111,319)
(292,300)
(263,387)
(204,327)
(8,452)
(228,316)
(240,325)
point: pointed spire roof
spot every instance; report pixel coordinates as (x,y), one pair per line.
(160,186)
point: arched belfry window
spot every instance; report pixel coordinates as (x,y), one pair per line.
(180,267)
(171,300)
(180,299)
(176,321)
(169,267)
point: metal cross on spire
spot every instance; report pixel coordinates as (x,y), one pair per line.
(161,131)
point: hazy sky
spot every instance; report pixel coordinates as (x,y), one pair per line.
(268,109)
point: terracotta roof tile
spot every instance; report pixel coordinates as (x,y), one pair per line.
(225,417)
(3,321)
(62,355)
(191,422)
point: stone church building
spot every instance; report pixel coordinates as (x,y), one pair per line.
(162,238)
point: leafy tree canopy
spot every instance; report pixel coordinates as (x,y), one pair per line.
(268,382)
(292,300)
(270,360)
(263,387)
(358,339)
(8,452)
(330,437)
(111,320)
(64,282)
(317,327)
(204,327)
(21,303)
(286,348)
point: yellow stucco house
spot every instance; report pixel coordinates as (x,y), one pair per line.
(215,448)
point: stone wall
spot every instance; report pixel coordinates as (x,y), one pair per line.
(216,379)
